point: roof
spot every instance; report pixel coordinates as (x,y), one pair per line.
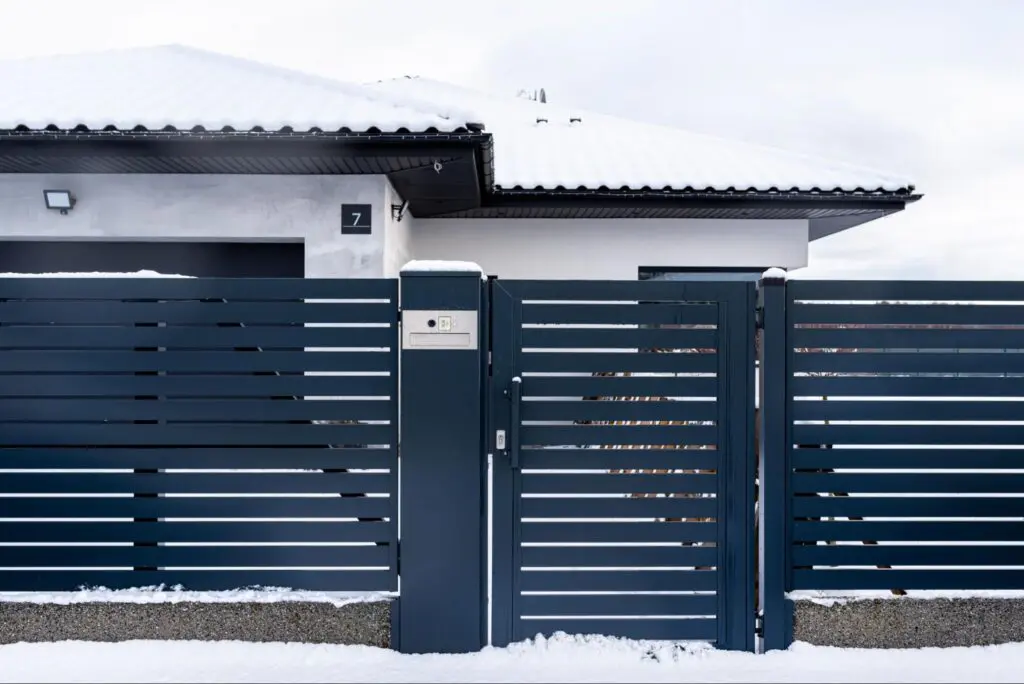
(182,88)
(174,109)
(544,146)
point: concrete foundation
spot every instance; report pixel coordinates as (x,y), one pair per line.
(365,623)
(909,622)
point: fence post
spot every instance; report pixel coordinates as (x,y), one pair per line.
(773,466)
(442,514)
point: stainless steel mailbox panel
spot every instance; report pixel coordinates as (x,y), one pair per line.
(439,329)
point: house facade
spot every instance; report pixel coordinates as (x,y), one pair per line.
(185,161)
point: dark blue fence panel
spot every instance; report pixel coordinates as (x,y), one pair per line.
(623,492)
(906,452)
(201,432)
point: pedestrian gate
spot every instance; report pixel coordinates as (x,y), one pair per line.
(622,416)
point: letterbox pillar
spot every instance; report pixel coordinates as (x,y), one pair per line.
(442,466)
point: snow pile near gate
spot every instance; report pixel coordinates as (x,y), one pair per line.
(559,659)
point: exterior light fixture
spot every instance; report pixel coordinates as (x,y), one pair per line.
(61,200)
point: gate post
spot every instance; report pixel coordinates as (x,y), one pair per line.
(774,518)
(442,514)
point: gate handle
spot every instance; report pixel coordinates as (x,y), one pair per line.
(516,396)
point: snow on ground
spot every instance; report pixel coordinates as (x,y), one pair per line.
(829,598)
(160,594)
(560,659)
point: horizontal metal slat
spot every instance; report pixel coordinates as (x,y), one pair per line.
(908,507)
(195,483)
(906,314)
(250,289)
(893,459)
(913,531)
(195,556)
(637,435)
(906,338)
(194,361)
(621,410)
(960,387)
(909,290)
(887,410)
(610,338)
(321,579)
(195,532)
(192,313)
(183,337)
(621,604)
(609,483)
(907,555)
(620,387)
(883,483)
(617,532)
(197,507)
(196,386)
(908,362)
(908,579)
(618,508)
(206,410)
(619,290)
(643,313)
(618,362)
(197,458)
(231,434)
(618,580)
(978,435)
(651,629)
(618,556)
(618,459)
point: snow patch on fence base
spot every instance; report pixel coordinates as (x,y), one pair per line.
(832,598)
(161,594)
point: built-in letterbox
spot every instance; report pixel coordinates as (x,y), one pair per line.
(439,329)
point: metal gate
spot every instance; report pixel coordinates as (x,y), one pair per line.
(623,479)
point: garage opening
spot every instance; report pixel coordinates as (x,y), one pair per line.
(197,259)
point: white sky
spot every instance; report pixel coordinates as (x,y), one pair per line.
(933,89)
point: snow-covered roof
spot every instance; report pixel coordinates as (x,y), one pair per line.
(549,146)
(536,146)
(183,87)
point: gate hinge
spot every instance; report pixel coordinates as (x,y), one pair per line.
(758,624)
(759,318)
(399,319)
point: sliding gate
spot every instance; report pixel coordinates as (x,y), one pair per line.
(622,416)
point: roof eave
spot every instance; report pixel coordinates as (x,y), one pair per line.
(826,213)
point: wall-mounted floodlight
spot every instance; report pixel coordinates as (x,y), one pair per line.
(59,199)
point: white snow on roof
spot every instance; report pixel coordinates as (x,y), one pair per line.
(186,87)
(601,151)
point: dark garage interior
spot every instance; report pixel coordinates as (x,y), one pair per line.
(198,259)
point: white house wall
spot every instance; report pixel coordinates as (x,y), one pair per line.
(397,237)
(207,207)
(610,249)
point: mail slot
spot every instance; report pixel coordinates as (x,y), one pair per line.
(439,329)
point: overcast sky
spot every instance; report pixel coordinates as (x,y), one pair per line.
(930,89)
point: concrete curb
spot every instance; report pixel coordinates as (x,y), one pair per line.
(364,623)
(909,622)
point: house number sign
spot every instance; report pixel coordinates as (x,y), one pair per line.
(355,219)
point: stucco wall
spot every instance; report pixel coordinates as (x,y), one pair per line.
(397,248)
(206,207)
(608,248)
(308,209)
